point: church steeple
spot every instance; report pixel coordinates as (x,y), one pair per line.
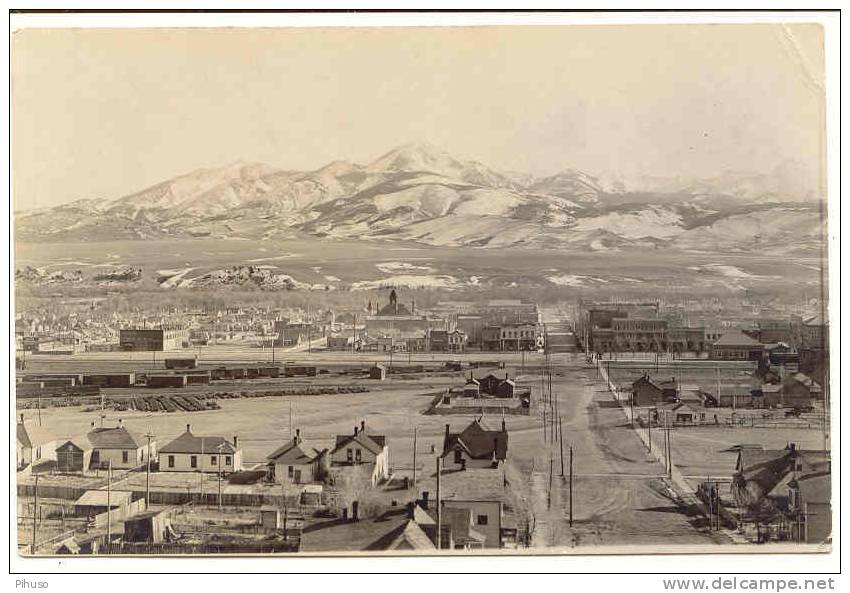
(393,301)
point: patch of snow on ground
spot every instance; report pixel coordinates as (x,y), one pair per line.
(651,222)
(275,258)
(409,281)
(394,267)
(723,270)
(172,278)
(568,280)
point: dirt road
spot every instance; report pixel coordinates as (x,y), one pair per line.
(620,496)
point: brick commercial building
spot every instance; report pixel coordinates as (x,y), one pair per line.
(147,340)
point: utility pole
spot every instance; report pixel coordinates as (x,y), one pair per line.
(669,451)
(571,485)
(148,472)
(39,407)
(290,419)
(414,457)
(218,463)
(666,443)
(545,433)
(439,502)
(34,516)
(549,497)
(561,441)
(309,331)
(109,508)
(649,431)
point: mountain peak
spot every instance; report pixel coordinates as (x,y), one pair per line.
(416,156)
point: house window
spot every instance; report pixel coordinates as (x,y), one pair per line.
(481,520)
(193,461)
(125,456)
(38,453)
(349,455)
(458,456)
(171,461)
(227,460)
(213,460)
(291,471)
(358,455)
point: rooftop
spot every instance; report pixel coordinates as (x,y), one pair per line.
(189,443)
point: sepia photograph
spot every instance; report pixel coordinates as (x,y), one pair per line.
(465,290)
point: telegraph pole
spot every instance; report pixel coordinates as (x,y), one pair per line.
(561,441)
(439,510)
(34,517)
(666,443)
(649,430)
(571,485)
(148,472)
(218,463)
(309,331)
(109,508)
(669,451)
(414,457)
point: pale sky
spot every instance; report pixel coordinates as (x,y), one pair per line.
(104,113)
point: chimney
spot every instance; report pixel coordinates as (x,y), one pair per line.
(447,431)
(425,500)
(355,430)
(503,425)
(363,426)
(235,441)
(22,418)
(410,506)
(120,422)
(297,435)
(507,376)
(188,426)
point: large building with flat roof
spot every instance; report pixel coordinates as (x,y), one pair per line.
(147,340)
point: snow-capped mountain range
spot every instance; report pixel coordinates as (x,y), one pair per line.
(418,192)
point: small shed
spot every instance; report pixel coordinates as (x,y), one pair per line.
(270,518)
(489,383)
(74,455)
(506,389)
(646,392)
(472,388)
(149,526)
(95,502)
(378,372)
